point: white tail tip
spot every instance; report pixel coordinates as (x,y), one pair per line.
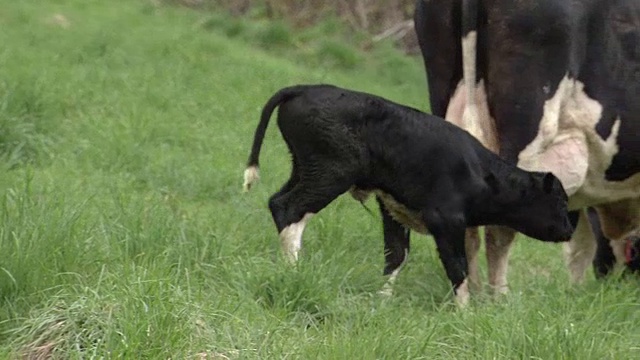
(251,175)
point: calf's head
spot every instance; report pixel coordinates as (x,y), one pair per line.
(533,203)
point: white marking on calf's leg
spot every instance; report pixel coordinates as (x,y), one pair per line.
(580,250)
(291,238)
(387,288)
(251,175)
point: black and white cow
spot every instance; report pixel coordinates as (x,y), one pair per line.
(427,174)
(549,85)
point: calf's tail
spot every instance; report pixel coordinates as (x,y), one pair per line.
(252,173)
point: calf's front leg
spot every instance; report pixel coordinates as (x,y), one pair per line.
(448,230)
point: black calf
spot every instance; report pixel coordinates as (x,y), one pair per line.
(427,174)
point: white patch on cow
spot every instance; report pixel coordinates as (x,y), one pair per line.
(291,238)
(251,175)
(568,145)
(596,189)
(387,288)
(567,158)
(462,294)
(529,157)
(470,113)
(485,130)
(580,250)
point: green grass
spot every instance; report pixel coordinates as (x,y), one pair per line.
(124,232)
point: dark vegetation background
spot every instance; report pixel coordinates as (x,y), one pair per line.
(363,21)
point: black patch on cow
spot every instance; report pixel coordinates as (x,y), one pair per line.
(611,74)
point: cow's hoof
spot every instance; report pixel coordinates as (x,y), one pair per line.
(461,296)
(498,291)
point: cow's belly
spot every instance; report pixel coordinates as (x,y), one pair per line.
(597,190)
(400,213)
(409,218)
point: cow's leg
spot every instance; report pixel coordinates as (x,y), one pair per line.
(448,230)
(434,25)
(396,248)
(604,260)
(472,247)
(498,240)
(620,221)
(294,205)
(619,249)
(579,251)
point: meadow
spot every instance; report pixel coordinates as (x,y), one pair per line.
(124,131)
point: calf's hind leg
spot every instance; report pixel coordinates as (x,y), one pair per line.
(396,248)
(293,206)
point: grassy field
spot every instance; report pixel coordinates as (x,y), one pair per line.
(124,131)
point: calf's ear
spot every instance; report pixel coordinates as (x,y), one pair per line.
(493,183)
(547,182)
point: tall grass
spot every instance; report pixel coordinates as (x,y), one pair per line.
(124,129)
